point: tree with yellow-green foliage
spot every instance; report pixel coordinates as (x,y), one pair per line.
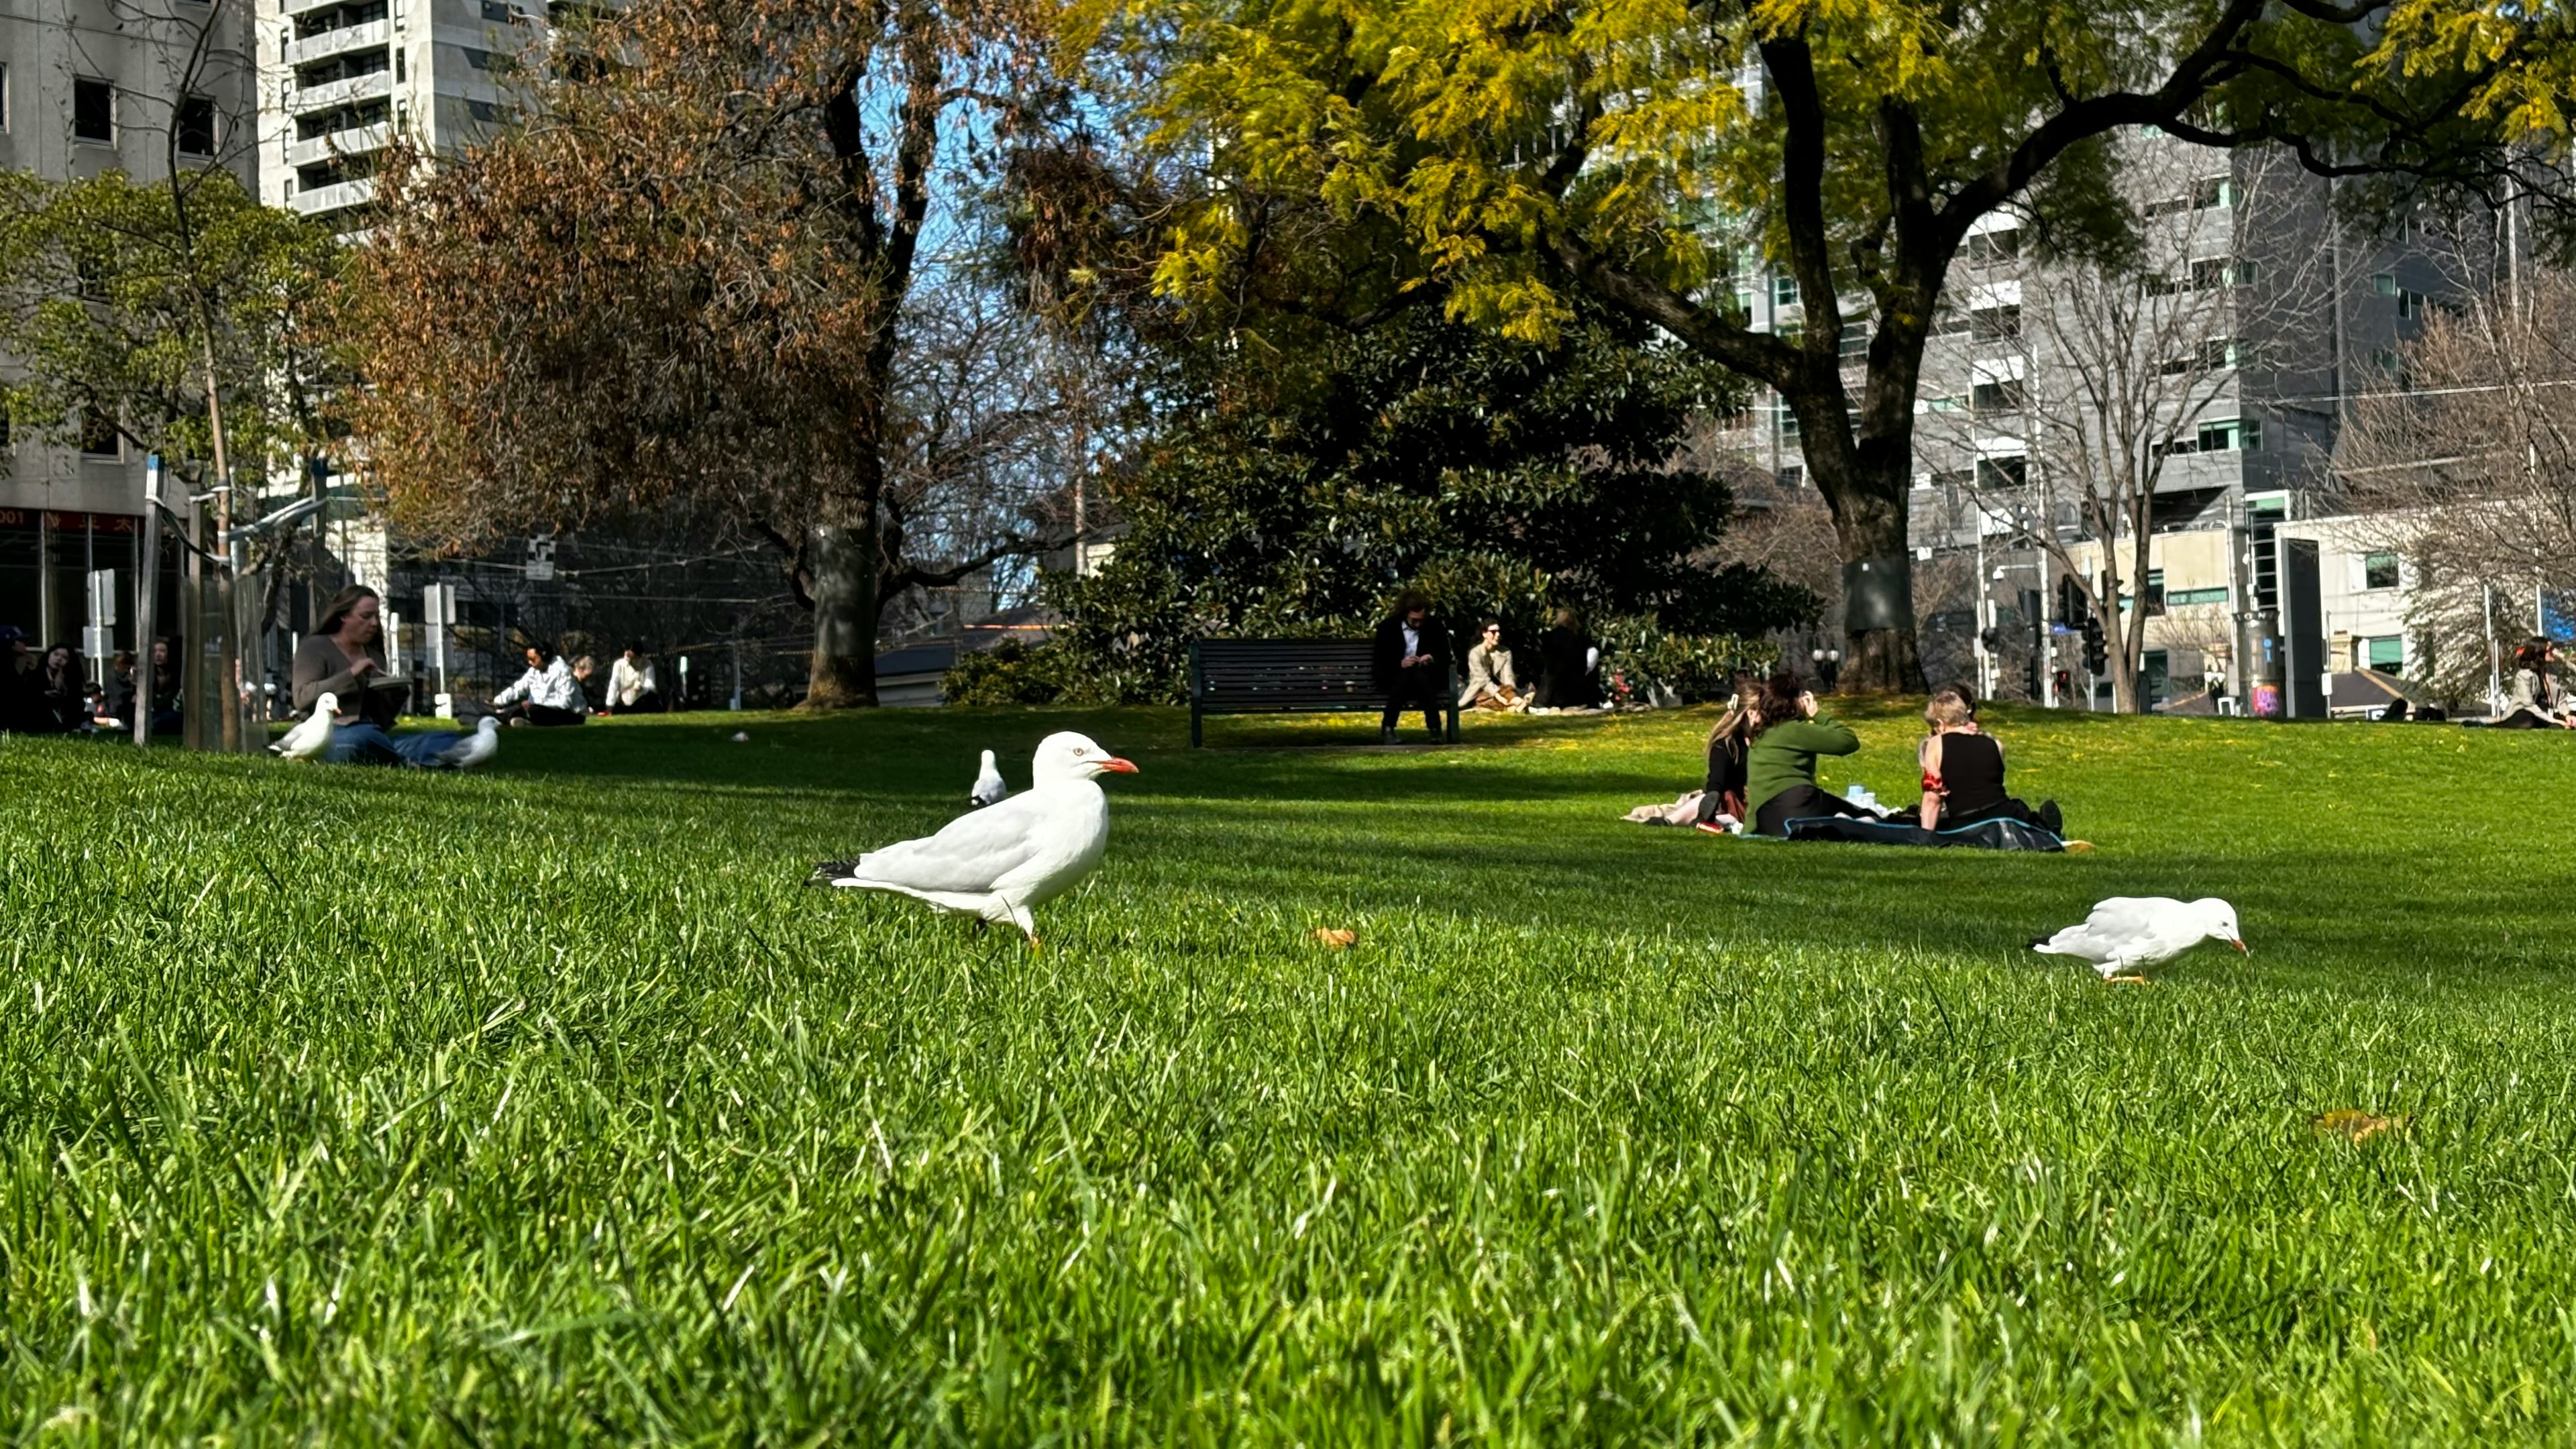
(1503,156)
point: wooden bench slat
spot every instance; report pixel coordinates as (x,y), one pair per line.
(1291,676)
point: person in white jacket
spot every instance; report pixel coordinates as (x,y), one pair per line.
(631,689)
(547,694)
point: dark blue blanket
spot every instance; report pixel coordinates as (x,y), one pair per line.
(1984,835)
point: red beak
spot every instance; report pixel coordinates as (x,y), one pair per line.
(1118,766)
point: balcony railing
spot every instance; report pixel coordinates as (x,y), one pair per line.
(375,33)
(355,141)
(333,198)
(372,86)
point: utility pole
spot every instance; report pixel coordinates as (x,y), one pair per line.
(147,590)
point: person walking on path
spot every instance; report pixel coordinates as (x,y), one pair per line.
(1411,663)
(343,657)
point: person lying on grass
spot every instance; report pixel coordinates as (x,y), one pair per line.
(342,658)
(1780,768)
(1963,770)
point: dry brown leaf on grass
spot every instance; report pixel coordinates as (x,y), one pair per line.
(1336,937)
(2358,1126)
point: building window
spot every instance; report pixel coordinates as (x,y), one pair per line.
(2232,435)
(194,125)
(1784,291)
(2388,654)
(2379,570)
(2215,272)
(93,111)
(98,437)
(2001,396)
(1995,246)
(1995,324)
(2214,194)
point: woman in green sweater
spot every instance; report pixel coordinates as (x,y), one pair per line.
(1780,769)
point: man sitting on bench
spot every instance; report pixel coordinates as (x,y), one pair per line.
(1411,663)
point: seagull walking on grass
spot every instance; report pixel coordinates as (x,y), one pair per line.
(475,749)
(2127,934)
(1000,861)
(989,788)
(309,740)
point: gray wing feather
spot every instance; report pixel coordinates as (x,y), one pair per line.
(968,854)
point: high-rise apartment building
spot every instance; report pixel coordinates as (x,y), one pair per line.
(87,86)
(340,79)
(2251,321)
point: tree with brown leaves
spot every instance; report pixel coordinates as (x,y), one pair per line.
(693,277)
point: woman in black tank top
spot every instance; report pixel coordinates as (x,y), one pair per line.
(1963,772)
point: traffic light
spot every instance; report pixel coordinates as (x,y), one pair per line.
(2096,659)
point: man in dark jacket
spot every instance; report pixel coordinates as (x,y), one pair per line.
(1411,663)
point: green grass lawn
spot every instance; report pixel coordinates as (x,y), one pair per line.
(545,1105)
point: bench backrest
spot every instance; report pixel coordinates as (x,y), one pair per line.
(1262,671)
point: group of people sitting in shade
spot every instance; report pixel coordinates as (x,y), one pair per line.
(52,694)
(1763,750)
(1412,655)
(344,657)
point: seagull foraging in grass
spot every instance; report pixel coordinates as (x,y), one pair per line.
(2127,934)
(998,862)
(989,788)
(310,739)
(475,749)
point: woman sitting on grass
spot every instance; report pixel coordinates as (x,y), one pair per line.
(2538,701)
(1730,745)
(1780,768)
(341,658)
(1963,771)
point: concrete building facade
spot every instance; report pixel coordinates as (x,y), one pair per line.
(2278,316)
(86,87)
(341,79)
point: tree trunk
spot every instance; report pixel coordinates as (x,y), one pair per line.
(844,573)
(1879,650)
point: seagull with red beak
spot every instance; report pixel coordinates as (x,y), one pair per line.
(2127,934)
(1000,862)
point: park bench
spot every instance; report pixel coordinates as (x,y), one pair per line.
(1293,676)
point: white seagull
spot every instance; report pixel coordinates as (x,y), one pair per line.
(997,862)
(2127,934)
(475,749)
(989,788)
(308,741)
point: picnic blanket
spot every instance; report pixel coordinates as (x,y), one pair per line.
(1984,835)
